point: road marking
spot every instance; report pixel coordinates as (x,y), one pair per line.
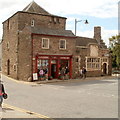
(26,111)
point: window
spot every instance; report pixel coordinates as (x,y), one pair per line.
(42,63)
(77,59)
(93,63)
(14,67)
(104,59)
(62,44)
(8,45)
(8,25)
(55,19)
(58,20)
(32,23)
(45,43)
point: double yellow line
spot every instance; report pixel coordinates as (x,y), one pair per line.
(27,112)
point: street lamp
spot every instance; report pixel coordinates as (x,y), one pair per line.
(86,22)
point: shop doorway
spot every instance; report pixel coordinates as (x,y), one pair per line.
(53,70)
(54,64)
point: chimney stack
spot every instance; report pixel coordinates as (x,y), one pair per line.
(97,33)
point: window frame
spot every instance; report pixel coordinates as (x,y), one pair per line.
(93,63)
(47,43)
(32,23)
(60,44)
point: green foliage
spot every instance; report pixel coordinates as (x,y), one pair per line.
(115,50)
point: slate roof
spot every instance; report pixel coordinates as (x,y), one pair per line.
(102,44)
(47,31)
(84,41)
(33,7)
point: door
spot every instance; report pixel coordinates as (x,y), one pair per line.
(53,70)
(8,67)
(104,68)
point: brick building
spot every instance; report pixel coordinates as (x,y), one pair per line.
(34,38)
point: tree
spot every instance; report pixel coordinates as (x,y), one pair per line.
(115,50)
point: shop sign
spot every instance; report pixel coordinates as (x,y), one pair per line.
(54,57)
(53,61)
(64,58)
(35,76)
(43,57)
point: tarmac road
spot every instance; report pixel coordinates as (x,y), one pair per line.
(80,99)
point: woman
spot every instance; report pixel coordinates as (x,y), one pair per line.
(2,91)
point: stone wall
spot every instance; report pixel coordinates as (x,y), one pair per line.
(25,54)
(9,46)
(53,47)
(19,47)
(41,21)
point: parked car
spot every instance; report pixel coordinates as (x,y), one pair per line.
(116,73)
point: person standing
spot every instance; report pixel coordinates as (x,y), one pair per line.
(41,73)
(62,73)
(45,73)
(66,73)
(84,72)
(2,91)
(81,73)
(2,95)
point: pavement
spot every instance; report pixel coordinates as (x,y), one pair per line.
(14,113)
(75,80)
(9,111)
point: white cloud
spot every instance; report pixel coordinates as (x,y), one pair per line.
(106,34)
(96,8)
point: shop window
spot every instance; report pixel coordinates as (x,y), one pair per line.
(63,64)
(93,63)
(45,43)
(62,44)
(42,63)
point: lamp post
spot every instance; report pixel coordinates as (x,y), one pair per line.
(86,22)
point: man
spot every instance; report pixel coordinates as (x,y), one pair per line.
(84,72)
(66,73)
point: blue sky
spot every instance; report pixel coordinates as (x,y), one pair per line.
(102,13)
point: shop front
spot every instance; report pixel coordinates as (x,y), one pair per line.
(54,64)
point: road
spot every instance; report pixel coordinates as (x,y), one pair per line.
(79,99)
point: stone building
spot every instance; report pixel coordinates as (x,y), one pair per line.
(34,38)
